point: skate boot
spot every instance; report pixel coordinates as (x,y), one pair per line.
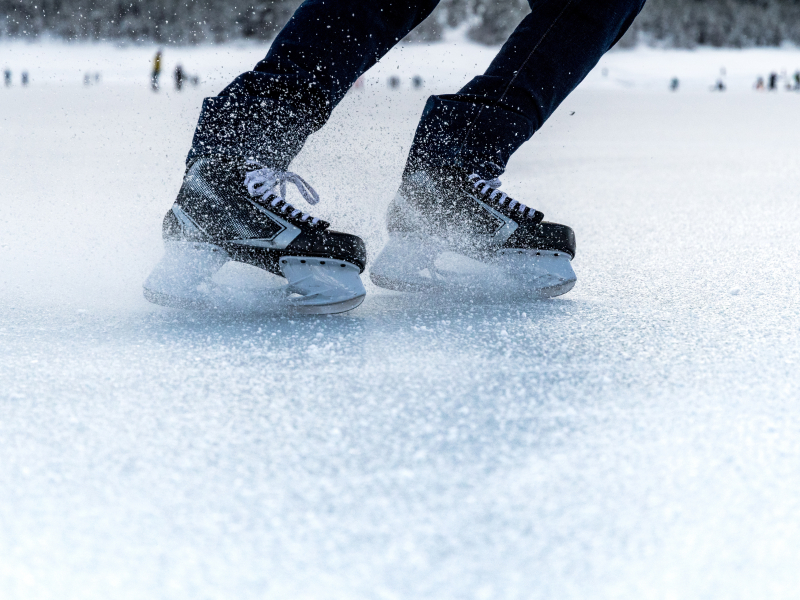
(455,230)
(227,210)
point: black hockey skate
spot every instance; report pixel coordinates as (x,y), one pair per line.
(456,230)
(226,211)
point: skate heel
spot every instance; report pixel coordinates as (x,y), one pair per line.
(322,285)
(406,263)
(182,279)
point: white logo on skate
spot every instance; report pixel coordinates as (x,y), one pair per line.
(507,225)
(187,224)
(279,241)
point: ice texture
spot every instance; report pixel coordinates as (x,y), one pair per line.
(636,438)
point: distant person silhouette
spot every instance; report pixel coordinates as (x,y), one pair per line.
(178,77)
(773,82)
(156,71)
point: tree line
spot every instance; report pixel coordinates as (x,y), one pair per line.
(673,23)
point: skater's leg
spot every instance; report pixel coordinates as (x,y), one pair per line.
(546,57)
(267,113)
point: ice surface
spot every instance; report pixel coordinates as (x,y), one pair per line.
(637,438)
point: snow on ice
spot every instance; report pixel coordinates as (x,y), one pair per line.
(636,438)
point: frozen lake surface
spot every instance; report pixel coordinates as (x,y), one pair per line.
(636,438)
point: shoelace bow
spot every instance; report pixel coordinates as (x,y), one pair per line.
(500,197)
(261,182)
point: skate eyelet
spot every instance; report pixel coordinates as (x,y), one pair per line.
(343,265)
(556,254)
(284,261)
(302,261)
(538,254)
(322,262)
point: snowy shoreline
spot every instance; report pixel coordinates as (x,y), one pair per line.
(642,68)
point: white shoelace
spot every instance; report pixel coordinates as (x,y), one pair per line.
(498,196)
(261,182)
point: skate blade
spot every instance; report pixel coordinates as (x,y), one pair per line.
(322,285)
(412,264)
(191,276)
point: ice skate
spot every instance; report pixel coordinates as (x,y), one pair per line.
(227,210)
(457,231)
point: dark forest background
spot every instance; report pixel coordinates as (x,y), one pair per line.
(676,23)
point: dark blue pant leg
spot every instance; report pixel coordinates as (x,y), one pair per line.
(268,113)
(546,57)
